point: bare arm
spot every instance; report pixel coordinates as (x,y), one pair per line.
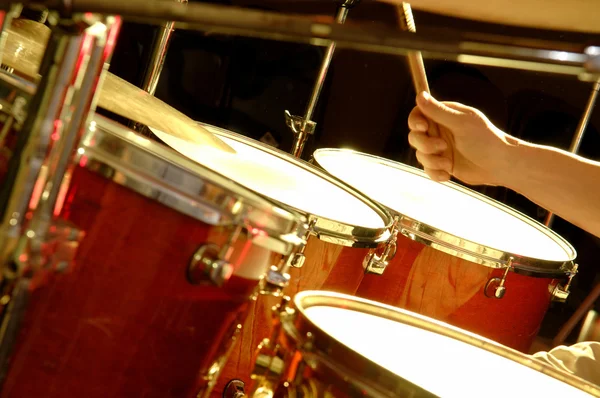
(475,151)
(566,15)
(559,181)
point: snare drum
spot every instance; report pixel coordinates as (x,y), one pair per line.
(343,224)
(171,259)
(459,257)
(335,345)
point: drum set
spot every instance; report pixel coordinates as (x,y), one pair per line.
(197,262)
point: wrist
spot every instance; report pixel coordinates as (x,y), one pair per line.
(511,170)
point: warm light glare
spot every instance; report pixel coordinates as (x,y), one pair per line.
(440,206)
(280,180)
(441,365)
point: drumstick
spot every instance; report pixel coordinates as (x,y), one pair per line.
(415,61)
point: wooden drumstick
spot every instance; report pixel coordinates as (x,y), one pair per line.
(415,61)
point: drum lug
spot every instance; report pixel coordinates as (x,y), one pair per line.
(235,389)
(376,264)
(210,263)
(495,287)
(559,292)
(206,265)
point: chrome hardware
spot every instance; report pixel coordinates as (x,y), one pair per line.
(302,128)
(234,389)
(296,124)
(376,264)
(59,112)
(559,292)
(274,282)
(494,288)
(157,60)
(297,259)
(206,263)
(211,262)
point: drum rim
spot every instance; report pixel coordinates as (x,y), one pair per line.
(466,249)
(322,344)
(232,203)
(326,229)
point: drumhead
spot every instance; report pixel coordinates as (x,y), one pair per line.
(290,181)
(441,359)
(446,207)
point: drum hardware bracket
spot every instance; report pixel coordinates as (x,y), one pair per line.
(375,264)
(559,292)
(495,287)
(210,263)
(234,389)
(304,126)
(301,128)
(278,277)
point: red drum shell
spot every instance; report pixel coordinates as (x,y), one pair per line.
(125,321)
(328,267)
(450,289)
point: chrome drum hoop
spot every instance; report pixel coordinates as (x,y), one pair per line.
(469,250)
(320,348)
(325,229)
(161,174)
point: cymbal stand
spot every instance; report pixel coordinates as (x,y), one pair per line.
(157,61)
(77,54)
(303,127)
(578,138)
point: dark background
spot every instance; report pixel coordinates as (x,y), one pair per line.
(246,84)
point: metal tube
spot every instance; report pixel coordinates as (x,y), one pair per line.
(157,62)
(157,58)
(578,138)
(471,48)
(301,135)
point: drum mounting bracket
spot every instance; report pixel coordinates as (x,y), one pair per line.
(376,264)
(559,292)
(495,287)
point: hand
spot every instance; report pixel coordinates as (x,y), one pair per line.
(470,147)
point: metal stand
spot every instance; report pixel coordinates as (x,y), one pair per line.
(77,53)
(303,127)
(157,61)
(576,143)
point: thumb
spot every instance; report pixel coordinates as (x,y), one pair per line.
(436,111)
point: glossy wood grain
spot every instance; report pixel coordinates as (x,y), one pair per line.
(125,322)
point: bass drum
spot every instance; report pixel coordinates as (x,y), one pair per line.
(459,256)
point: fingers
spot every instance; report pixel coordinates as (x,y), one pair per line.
(416,121)
(438,175)
(439,112)
(426,144)
(435,162)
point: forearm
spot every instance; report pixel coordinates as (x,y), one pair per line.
(563,183)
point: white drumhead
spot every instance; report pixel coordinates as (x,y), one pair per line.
(439,364)
(440,205)
(279,180)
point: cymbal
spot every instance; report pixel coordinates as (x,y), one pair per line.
(563,15)
(25,45)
